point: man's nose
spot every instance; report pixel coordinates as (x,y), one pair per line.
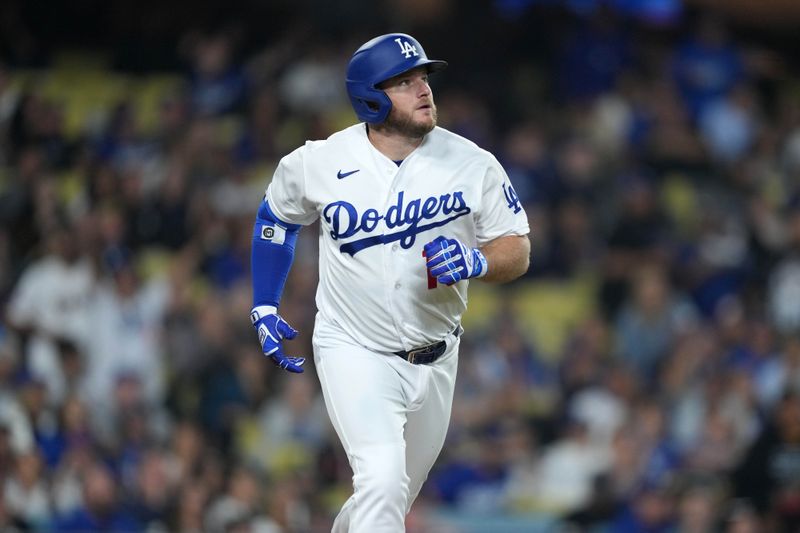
(423,89)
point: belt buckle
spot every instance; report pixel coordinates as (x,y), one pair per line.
(421,353)
(412,355)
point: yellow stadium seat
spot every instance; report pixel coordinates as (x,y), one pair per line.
(549,310)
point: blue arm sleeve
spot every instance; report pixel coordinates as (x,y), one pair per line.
(271,255)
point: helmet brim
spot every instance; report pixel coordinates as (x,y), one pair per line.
(434,65)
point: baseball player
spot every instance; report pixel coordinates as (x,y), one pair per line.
(409,212)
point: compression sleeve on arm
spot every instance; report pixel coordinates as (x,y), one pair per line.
(271,255)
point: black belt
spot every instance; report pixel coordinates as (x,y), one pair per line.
(427,354)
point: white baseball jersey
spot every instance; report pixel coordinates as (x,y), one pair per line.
(375,218)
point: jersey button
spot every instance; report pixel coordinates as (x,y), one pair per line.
(397,285)
(394,247)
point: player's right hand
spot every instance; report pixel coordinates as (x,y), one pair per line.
(272,329)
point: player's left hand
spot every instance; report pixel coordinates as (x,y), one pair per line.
(450,261)
(272,329)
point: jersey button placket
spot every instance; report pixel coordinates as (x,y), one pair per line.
(391,269)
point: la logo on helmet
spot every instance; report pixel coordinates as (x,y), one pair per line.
(406,48)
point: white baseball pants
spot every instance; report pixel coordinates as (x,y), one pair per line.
(391,417)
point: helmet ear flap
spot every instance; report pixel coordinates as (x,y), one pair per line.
(371,105)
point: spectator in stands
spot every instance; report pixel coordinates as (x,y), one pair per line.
(729,125)
(640,234)
(651,320)
(707,65)
(126,314)
(240,507)
(592,57)
(101,509)
(50,303)
(769,473)
(651,509)
(154,490)
(698,506)
(217,83)
(567,470)
(27,494)
(190,509)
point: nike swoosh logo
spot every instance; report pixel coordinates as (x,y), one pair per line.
(341,174)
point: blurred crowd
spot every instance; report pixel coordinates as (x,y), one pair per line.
(644,376)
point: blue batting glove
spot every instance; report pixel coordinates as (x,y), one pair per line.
(450,261)
(272,329)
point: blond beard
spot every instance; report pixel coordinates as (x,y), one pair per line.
(405,126)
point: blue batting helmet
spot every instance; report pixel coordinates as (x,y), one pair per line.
(378,60)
